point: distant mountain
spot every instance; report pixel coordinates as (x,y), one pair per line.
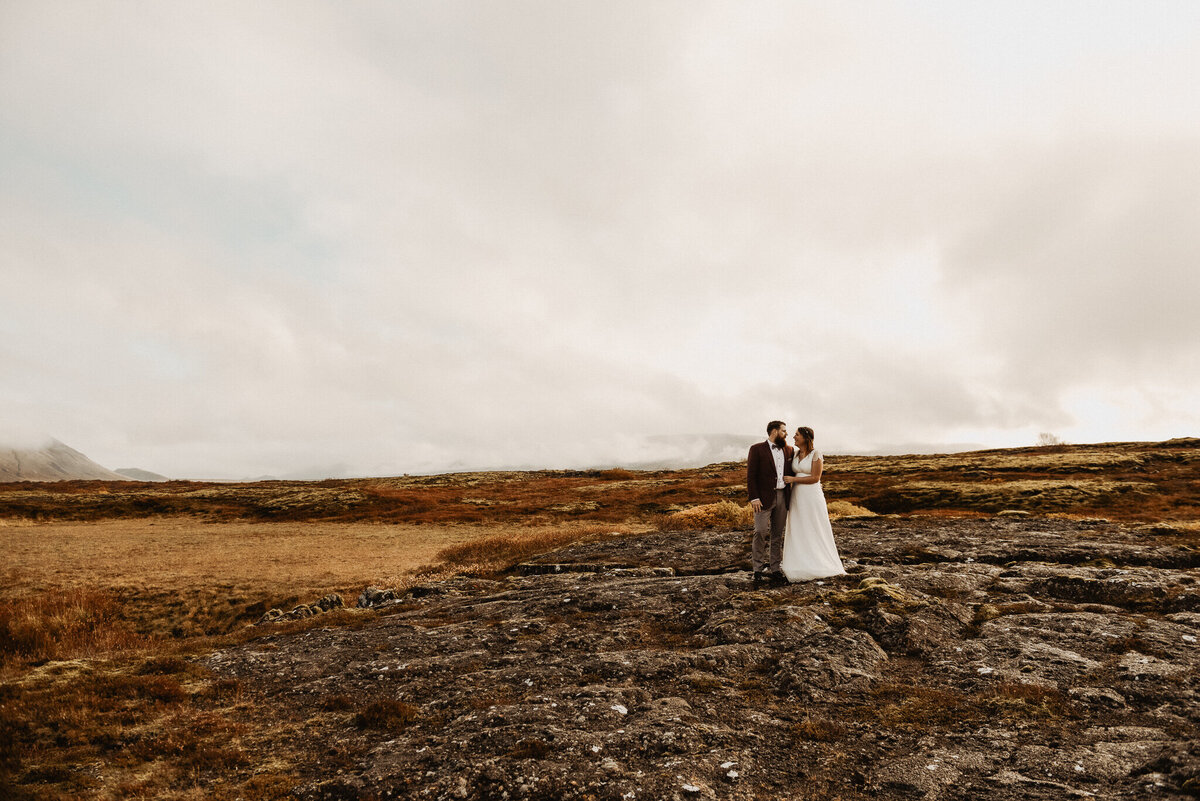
(138,474)
(54,461)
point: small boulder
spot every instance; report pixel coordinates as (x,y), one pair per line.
(331,601)
(374,596)
(270,616)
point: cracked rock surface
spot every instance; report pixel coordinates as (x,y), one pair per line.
(1017,657)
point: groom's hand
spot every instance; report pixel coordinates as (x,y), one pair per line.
(756,505)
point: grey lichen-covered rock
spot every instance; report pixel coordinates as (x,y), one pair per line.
(957,659)
(330,602)
(372,597)
(301,611)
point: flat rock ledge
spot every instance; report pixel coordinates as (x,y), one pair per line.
(1010,658)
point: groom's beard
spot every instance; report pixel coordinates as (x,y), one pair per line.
(777,441)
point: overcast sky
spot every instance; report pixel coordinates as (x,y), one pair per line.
(370,238)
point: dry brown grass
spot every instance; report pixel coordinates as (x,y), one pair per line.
(387,714)
(1083,460)
(86,589)
(724,514)
(819,729)
(71,585)
(1016,701)
(617,474)
(174,553)
(97,621)
(902,706)
(75,623)
(986,612)
(159,727)
(1040,488)
(502,550)
(846,509)
(918,707)
(517,498)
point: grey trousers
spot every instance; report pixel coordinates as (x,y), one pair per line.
(768,527)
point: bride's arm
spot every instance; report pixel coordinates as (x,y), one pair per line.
(814,478)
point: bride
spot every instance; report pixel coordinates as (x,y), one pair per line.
(808,548)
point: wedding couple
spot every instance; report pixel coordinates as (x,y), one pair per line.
(790,516)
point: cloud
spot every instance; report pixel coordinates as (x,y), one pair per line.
(250,239)
(1082,271)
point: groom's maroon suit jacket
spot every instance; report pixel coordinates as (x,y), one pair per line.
(760,473)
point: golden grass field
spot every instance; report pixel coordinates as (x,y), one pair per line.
(181,577)
(98,698)
(174,553)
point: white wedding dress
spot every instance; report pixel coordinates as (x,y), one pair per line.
(808,548)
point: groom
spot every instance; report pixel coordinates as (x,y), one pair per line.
(766,465)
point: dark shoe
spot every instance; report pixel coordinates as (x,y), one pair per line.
(778,579)
(758,577)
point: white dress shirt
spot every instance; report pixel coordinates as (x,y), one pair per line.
(777,452)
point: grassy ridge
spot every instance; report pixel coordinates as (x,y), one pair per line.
(1136,481)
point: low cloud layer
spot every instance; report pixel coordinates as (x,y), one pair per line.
(381,238)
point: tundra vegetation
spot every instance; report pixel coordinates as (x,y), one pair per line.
(123,606)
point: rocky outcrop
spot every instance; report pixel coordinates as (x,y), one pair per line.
(1007,658)
(376,597)
(302,611)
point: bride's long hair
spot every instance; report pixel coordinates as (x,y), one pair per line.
(808,435)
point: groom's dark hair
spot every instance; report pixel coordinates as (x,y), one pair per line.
(774,424)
